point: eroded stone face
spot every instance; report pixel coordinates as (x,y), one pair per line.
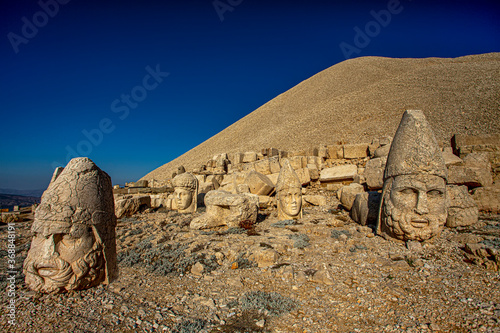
(289,192)
(414,207)
(186,192)
(183,197)
(73,245)
(291,201)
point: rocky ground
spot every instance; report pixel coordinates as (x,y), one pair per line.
(323,273)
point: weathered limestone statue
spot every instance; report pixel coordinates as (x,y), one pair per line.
(224,208)
(186,192)
(414,205)
(73,245)
(289,193)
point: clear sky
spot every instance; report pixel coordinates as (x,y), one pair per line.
(134,84)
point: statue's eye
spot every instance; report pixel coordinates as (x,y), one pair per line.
(408,191)
(435,193)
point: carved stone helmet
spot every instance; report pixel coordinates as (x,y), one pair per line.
(82,193)
(287,177)
(414,149)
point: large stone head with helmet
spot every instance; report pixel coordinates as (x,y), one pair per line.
(289,193)
(413,203)
(186,192)
(73,245)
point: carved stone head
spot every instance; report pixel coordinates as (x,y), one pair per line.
(186,192)
(289,193)
(73,245)
(414,205)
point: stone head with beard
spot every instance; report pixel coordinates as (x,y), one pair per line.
(414,205)
(73,245)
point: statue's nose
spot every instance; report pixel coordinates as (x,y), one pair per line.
(422,205)
(49,247)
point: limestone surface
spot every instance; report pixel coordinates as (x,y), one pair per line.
(289,193)
(224,208)
(73,245)
(462,209)
(186,192)
(347,194)
(130,205)
(341,172)
(414,205)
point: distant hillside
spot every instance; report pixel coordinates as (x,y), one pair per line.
(359,99)
(9,201)
(27,193)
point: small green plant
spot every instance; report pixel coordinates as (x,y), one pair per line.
(190,326)
(283,223)
(272,302)
(243,262)
(337,233)
(301,241)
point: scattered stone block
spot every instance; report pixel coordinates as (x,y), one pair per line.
(258,183)
(314,160)
(274,165)
(247,167)
(265,202)
(298,162)
(488,198)
(450,158)
(347,194)
(304,176)
(365,208)
(263,167)
(355,150)
(341,172)
(138,184)
(335,152)
(313,151)
(273,178)
(374,173)
(323,152)
(236,158)
(130,206)
(465,144)
(314,200)
(249,157)
(462,210)
(475,172)
(313,172)
(157,200)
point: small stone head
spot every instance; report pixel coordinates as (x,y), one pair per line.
(289,193)
(414,205)
(186,192)
(73,245)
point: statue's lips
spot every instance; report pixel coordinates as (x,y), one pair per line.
(419,223)
(48,271)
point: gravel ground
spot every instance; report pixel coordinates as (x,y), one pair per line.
(326,274)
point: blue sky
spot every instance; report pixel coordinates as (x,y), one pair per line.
(134,84)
